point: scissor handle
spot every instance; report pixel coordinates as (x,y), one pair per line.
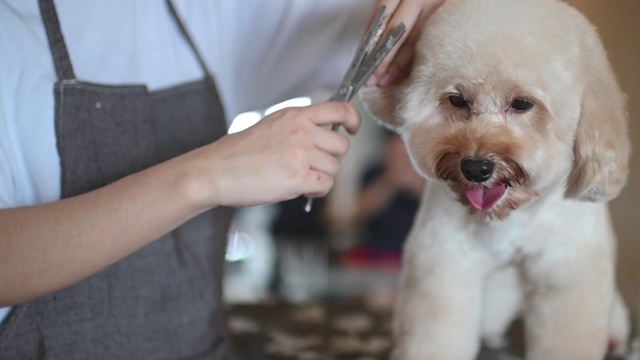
(367,58)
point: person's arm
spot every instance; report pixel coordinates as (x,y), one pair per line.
(45,248)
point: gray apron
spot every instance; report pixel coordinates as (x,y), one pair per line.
(164,301)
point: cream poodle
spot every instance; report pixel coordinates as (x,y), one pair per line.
(513,113)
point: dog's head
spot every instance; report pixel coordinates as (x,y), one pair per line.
(509,100)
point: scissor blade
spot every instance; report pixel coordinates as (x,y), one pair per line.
(365,46)
(377,56)
(368,66)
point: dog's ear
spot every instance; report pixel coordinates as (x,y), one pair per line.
(602,147)
(383,105)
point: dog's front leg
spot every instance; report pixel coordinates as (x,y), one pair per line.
(438,310)
(567,312)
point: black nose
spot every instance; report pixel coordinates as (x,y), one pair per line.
(477,170)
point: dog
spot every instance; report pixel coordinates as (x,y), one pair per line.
(513,114)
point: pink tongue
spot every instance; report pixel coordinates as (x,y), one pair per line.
(483,198)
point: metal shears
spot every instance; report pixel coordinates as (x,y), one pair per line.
(369,55)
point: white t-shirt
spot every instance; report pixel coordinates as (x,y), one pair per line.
(259,51)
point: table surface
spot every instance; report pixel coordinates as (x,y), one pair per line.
(319,331)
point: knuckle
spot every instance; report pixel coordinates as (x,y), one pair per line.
(331,168)
(345,109)
(318,184)
(349,111)
(341,109)
(286,114)
(296,176)
(298,133)
(349,114)
(290,111)
(299,178)
(298,154)
(328,185)
(343,144)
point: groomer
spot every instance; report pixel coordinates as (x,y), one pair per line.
(116,173)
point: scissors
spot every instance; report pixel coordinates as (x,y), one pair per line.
(369,55)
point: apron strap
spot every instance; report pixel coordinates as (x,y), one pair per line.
(187,37)
(61,59)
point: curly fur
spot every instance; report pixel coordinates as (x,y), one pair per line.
(560,161)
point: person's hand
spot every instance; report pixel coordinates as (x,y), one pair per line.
(413,13)
(287,154)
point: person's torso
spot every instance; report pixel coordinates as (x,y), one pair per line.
(258,54)
(165,300)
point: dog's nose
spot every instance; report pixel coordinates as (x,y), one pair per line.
(477,170)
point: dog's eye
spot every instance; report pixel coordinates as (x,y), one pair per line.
(521,105)
(458,101)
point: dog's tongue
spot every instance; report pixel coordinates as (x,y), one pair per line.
(483,198)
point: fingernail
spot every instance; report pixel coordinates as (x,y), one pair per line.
(372,80)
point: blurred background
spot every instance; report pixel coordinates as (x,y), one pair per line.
(280,253)
(619,25)
(348,247)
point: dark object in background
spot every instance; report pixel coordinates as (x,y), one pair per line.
(292,220)
(388,228)
(302,261)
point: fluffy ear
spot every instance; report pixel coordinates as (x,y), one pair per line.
(602,147)
(383,105)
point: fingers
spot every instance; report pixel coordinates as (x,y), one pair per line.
(391,7)
(331,146)
(325,163)
(289,153)
(320,185)
(407,12)
(316,170)
(413,13)
(397,65)
(330,113)
(331,142)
